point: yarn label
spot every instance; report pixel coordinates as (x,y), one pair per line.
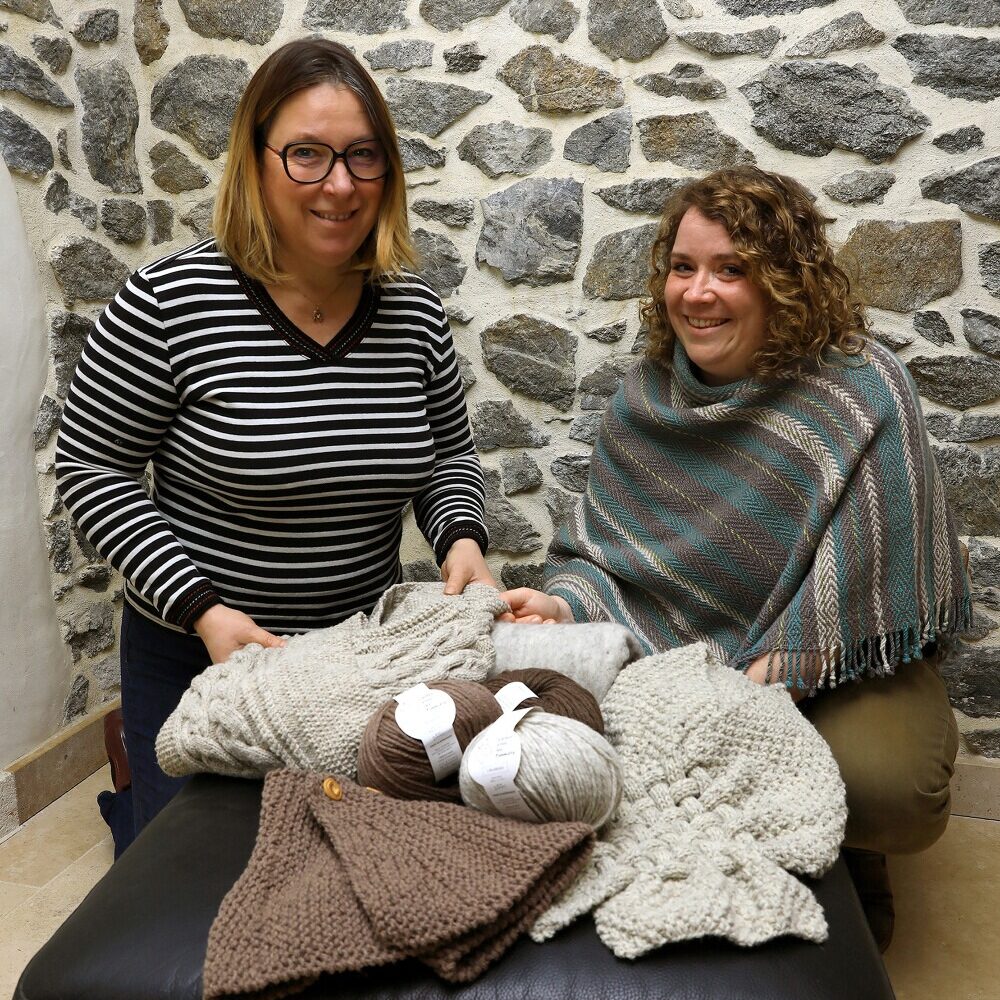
(428,714)
(494,762)
(511,695)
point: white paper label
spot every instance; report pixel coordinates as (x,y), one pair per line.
(428,714)
(494,761)
(511,695)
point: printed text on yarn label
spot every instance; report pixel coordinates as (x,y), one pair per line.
(428,715)
(511,695)
(493,764)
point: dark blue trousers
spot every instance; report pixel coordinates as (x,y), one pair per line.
(158,665)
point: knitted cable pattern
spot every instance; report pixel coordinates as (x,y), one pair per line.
(307,704)
(728,789)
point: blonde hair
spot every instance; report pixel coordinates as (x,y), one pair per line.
(779,236)
(243,231)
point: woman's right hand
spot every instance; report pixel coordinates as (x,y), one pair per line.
(224,630)
(532,607)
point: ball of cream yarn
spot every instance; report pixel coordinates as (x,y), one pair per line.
(568,772)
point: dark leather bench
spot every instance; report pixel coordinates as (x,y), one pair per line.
(141,932)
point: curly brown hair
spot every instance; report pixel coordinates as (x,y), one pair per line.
(779,236)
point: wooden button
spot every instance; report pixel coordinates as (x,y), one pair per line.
(332,789)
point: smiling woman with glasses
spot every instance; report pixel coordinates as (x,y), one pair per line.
(295,387)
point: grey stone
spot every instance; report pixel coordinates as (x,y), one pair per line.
(161,221)
(860,186)
(57,194)
(150,31)
(903,265)
(401,55)
(605,142)
(609,334)
(87,270)
(441,263)
(759,42)
(685,80)
(557,84)
(849,31)
(54,52)
(100,25)
(464,58)
(447,15)
(648,195)
(76,701)
(457,213)
(88,631)
(545,17)
(198,218)
(108,127)
(417,154)
(960,139)
(533,357)
(510,531)
(560,505)
(954,64)
(173,171)
(692,141)
(428,107)
(934,327)
(973,681)
(57,506)
(94,576)
(519,474)
(619,268)
(892,338)
(197,100)
(62,145)
(253,21)
(630,31)
(531,230)
(24,148)
(680,9)
(458,315)
(37,10)
(106,673)
(25,76)
(982,625)
(123,220)
(571,471)
(584,427)
(46,421)
(465,371)
(982,331)
(421,571)
(984,562)
(496,424)
(598,386)
(68,333)
(956,380)
(975,189)
(814,107)
(970,479)
(58,543)
(750,8)
(989,267)
(363,17)
(970,13)
(88,550)
(514,575)
(505,148)
(985,742)
(83,209)
(964,427)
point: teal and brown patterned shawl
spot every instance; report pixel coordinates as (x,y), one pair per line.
(806,517)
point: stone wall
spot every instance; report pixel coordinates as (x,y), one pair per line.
(540,139)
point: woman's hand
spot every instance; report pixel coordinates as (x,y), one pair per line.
(224,630)
(463,565)
(757,672)
(532,607)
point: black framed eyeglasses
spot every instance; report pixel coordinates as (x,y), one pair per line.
(311,162)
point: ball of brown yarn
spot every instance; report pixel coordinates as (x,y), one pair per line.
(557,694)
(397,764)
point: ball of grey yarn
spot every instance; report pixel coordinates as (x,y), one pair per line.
(568,772)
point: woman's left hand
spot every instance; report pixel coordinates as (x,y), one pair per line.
(758,671)
(463,565)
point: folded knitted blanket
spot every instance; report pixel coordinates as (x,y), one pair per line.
(727,790)
(307,704)
(342,878)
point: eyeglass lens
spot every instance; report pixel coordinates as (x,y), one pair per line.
(311,161)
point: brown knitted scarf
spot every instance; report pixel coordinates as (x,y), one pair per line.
(343,878)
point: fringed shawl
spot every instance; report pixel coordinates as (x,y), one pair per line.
(805,517)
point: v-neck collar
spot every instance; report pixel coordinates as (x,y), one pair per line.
(342,343)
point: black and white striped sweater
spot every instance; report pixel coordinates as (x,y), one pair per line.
(281,469)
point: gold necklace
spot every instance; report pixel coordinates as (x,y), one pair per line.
(317,315)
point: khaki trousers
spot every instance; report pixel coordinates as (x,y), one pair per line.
(895,741)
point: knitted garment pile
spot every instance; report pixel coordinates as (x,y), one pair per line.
(727,790)
(359,880)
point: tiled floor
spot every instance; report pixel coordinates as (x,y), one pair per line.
(947,943)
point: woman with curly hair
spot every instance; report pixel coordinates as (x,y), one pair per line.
(762,481)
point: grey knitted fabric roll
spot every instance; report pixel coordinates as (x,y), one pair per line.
(728,789)
(307,704)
